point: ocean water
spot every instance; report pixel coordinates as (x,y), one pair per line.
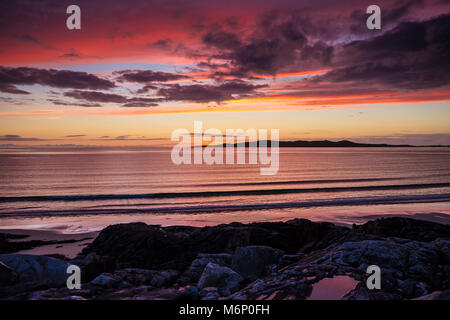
(83,189)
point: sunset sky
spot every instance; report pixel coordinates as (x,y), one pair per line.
(137,70)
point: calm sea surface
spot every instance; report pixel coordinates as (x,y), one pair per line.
(80,189)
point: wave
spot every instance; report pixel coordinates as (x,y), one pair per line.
(239,207)
(319,181)
(202,194)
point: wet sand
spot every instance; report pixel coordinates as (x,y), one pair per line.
(69,250)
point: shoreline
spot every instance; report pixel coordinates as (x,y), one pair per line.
(57,241)
(44,242)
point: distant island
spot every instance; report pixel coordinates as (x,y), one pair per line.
(332,144)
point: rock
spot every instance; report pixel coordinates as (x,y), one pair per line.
(407,228)
(288,259)
(362,293)
(134,261)
(189,293)
(416,260)
(58,294)
(106,280)
(136,277)
(253,261)
(141,293)
(193,273)
(7,275)
(223,278)
(274,288)
(92,265)
(37,270)
(139,245)
(164,278)
(437,295)
(144,246)
(209,293)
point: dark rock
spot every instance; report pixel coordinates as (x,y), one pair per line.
(407,228)
(437,295)
(33,272)
(92,265)
(106,280)
(288,259)
(142,246)
(223,278)
(136,277)
(141,293)
(34,268)
(139,245)
(189,293)
(193,273)
(253,261)
(7,275)
(164,278)
(209,293)
(362,293)
(57,294)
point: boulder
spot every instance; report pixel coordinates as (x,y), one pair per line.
(37,269)
(193,273)
(92,265)
(136,277)
(407,228)
(7,275)
(163,278)
(137,245)
(254,261)
(223,278)
(189,293)
(209,293)
(106,280)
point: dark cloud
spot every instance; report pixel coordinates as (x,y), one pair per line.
(68,103)
(146,89)
(209,93)
(8,88)
(96,96)
(221,39)
(139,104)
(129,137)
(147,76)
(10,77)
(277,43)
(162,44)
(14,137)
(142,102)
(31,39)
(389,17)
(412,56)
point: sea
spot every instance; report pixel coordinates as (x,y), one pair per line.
(82,189)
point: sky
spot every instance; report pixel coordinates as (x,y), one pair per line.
(137,70)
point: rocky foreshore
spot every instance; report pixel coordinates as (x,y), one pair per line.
(278,260)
